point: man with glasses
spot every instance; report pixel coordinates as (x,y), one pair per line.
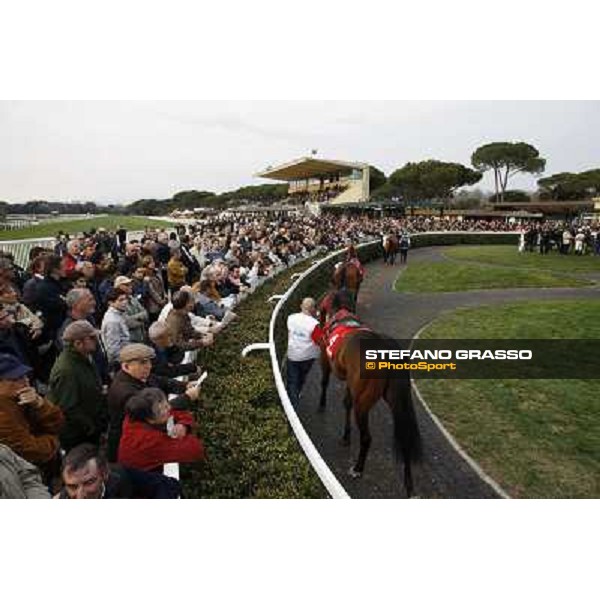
(76,387)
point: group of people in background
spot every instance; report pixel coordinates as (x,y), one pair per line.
(561,237)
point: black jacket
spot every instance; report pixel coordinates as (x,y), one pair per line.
(132,483)
(167,362)
(49,300)
(16,341)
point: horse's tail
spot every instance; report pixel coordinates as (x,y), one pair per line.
(407,437)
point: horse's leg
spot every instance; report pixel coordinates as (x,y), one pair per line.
(347,424)
(325,374)
(362,421)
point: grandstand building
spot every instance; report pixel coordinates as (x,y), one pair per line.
(317,181)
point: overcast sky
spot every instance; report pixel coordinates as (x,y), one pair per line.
(124,151)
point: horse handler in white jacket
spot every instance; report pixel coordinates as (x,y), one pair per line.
(302,349)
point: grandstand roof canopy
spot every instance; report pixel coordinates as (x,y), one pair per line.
(306,167)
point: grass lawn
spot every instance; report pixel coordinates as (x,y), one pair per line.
(508,256)
(432,277)
(110,222)
(537,438)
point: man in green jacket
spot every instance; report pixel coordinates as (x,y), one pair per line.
(76,387)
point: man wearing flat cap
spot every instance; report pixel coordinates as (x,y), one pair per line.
(134,376)
(76,387)
(29,424)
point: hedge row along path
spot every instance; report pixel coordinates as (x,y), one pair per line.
(444,474)
(251,450)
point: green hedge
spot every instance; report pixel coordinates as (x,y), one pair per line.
(251,450)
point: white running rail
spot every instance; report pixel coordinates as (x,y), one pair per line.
(333,486)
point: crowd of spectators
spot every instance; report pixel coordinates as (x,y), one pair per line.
(93,335)
(561,237)
(325,194)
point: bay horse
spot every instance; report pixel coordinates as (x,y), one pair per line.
(362,394)
(390,249)
(348,276)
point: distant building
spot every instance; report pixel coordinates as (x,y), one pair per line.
(317,181)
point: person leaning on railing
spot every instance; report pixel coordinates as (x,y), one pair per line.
(155,434)
(135,375)
(180,325)
(168,360)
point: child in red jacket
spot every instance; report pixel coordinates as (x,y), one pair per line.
(154,434)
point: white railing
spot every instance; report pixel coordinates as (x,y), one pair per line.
(333,486)
(20,248)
